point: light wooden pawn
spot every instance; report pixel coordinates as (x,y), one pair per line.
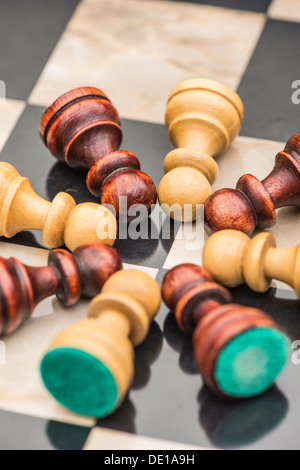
(203,117)
(61,221)
(119,319)
(233,258)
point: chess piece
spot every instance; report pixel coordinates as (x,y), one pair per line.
(61,221)
(232,258)
(252,204)
(89,367)
(82,129)
(238,350)
(219,417)
(203,117)
(68,276)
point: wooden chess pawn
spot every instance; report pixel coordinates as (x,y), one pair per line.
(68,276)
(238,350)
(61,221)
(252,204)
(203,117)
(82,128)
(232,258)
(89,367)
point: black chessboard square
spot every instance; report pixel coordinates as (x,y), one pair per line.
(250,5)
(29,31)
(266,88)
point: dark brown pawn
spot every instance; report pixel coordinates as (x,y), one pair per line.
(82,128)
(203,308)
(68,276)
(253,203)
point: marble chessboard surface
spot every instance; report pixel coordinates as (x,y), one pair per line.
(136,51)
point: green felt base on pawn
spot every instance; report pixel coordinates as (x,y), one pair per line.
(249,364)
(79,382)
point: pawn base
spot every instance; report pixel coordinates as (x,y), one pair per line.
(79,382)
(249,364)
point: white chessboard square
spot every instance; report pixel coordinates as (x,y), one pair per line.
(10,111)
(287,10)
(106,439)
(136,52)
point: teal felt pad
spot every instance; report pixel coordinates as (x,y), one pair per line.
(79,382)
(249,364)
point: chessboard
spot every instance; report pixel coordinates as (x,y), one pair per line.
(136,51)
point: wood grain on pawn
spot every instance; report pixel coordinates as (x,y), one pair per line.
(89,366)
(233,258)
(203,117)
(253,203)
(82,128)
(68,276)
(61,221)
(234,346)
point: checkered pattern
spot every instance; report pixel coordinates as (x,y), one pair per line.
(136,51)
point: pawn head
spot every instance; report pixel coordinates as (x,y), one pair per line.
(181,191)
(180,279)
(117,179)
(229,209)
(90,223)
(96,263)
